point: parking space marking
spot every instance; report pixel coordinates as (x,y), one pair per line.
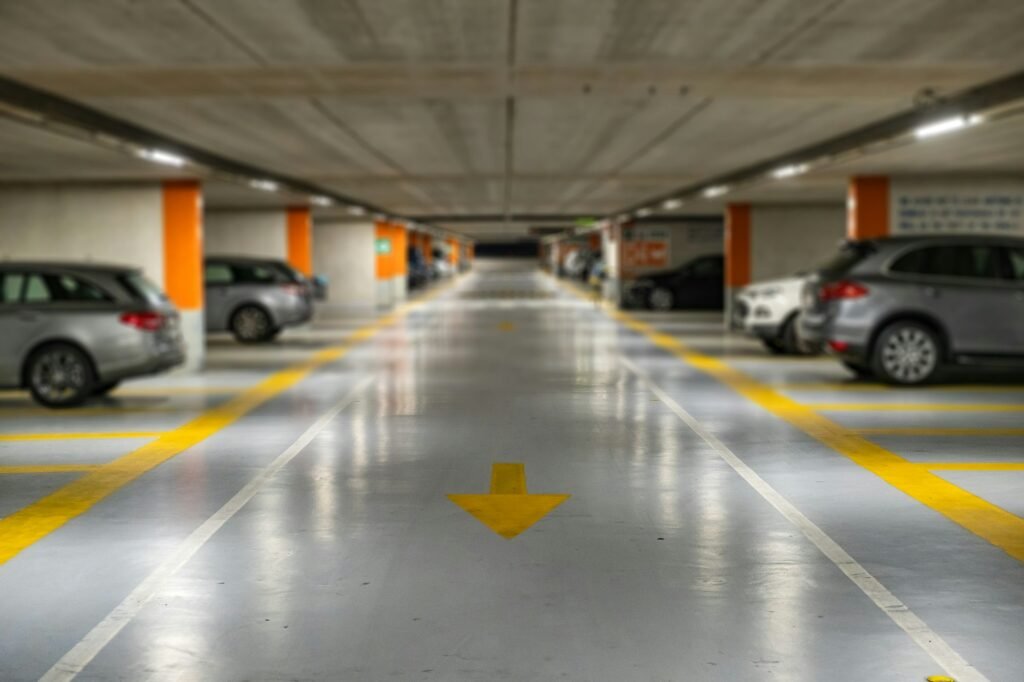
(916,407)
(78,657)
(972,466)
(986,520)
(30,524)
(46,468)
(919,631)
(92,435)
(938,431)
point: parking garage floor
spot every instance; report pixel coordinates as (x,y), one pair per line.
(505,480)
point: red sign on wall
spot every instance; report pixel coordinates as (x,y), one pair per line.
(645,253)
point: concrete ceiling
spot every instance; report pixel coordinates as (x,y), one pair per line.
(492,106)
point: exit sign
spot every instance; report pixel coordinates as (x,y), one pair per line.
(383,246)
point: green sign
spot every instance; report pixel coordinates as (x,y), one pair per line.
(383,246)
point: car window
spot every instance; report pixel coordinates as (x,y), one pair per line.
(141,288)
(952,260)
(1016,263)
(217,273)
(10,287)
(36,290)
(290,273)
(257,274)
(706,267)
(68,288)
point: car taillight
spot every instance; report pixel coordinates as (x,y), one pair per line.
(146,321)
(843,289)
(294,289)
(839,346)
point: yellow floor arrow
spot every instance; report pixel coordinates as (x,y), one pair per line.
(508,509)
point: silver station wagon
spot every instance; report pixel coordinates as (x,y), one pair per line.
(255,298)
(71,331)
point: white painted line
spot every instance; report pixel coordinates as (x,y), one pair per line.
(75,660)
(927,639)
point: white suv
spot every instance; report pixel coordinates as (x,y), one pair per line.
(769,310)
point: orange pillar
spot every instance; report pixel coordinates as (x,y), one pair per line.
(300,239)
(453,253)
(426,243)
(867,208)
(737,245)
(183,261)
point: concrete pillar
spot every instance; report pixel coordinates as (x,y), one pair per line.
(867,208)
(901,206)
(392,263)
(260,233)
(155,227)
(345,255)
(183,262)
(299,225)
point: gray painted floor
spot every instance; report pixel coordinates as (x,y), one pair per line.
(350,563)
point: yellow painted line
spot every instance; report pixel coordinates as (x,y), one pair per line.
(98,435)
(938,431)
(972,466)
(916,407)
(858,387)
(988,521)
(34,522)
(46,468)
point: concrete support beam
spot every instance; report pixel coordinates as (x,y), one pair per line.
(155,227)
(345,255)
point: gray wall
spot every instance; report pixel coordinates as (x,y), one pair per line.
(787,239)
(261,234)
(344,253)
(120,224)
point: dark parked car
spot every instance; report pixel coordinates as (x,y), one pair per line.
(71,331)
(255,298)
(901,308)
(419,273)
(697,284)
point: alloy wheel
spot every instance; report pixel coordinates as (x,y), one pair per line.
(909,355)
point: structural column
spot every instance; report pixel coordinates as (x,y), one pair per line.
(300,239)
(867,208)
(392,263)
(183,261)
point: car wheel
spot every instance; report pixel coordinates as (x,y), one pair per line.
(789,339)
(59,375)
(660,298)
(907,353)
(251,324)
(105,387)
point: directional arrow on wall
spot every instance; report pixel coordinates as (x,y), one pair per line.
(508,509)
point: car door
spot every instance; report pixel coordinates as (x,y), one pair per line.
(15,325)
(701,284)
(1015,265)
(218,279)
(967,288)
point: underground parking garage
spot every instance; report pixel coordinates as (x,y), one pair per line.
(511,339)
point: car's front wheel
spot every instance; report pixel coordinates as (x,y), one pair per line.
(907,353)
(252,324)
(660,298)
(59,375)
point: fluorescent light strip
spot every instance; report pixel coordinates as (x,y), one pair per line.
(790,171)
(264,185)
(671,204)
(946,125)
(716,191)
(162,157)
(321,201)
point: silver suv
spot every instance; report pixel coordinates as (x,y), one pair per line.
(71,331)
(901,308)
(255,298)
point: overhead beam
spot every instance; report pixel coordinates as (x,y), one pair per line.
(1002,97)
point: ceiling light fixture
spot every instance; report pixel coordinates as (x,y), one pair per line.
(643,212)
(946,125)
(671,204)
(716,191)
(790,171)
(321,201)
(264,185)
(160,156)
(356,210)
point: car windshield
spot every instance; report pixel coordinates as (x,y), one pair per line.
(291,273)
(141,288)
